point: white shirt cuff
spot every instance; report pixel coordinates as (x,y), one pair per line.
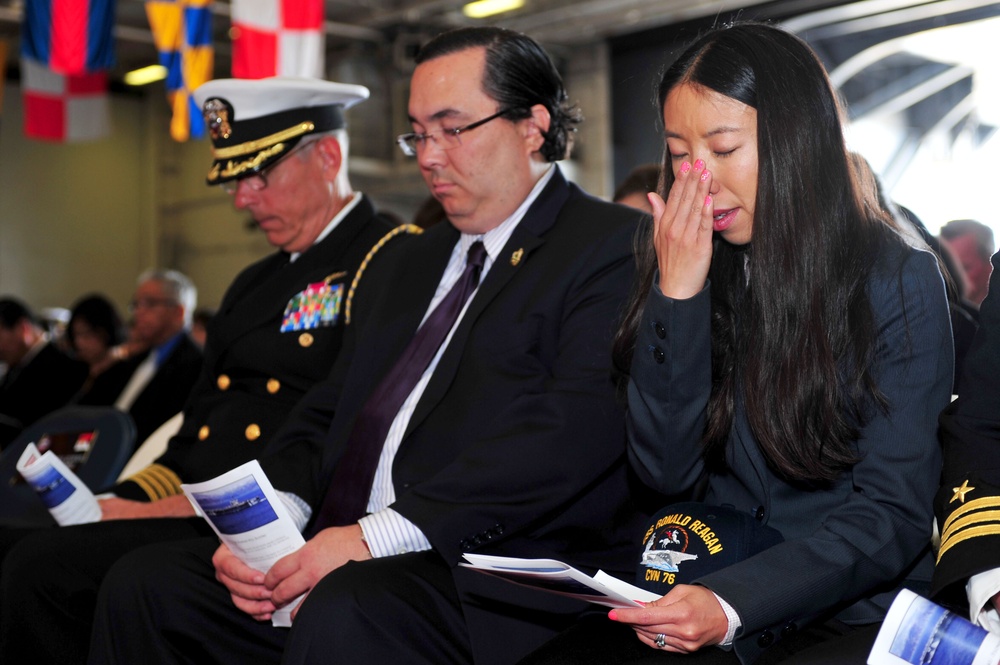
(734,621)
(980,589)
(388,533)
(298,510)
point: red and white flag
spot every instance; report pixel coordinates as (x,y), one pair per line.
(277,38)
(64,108)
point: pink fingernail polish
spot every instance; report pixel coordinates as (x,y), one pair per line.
(708,200)
(685,167)
(613,615)
(698,164)
(705,174)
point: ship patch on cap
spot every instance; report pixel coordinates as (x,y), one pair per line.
(685,541)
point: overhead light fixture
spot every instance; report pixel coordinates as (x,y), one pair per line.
(145,75)
(484,8)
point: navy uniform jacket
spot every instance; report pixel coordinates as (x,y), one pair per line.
(253,372)
(164,395)
(970,490)
(847,548)
(517,445)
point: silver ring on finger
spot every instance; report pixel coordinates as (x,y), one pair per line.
(660,641)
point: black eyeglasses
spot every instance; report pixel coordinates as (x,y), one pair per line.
(258,181)
(446,138)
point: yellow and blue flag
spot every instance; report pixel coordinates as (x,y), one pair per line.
(182,32)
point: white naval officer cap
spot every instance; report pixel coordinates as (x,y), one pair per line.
(254,122)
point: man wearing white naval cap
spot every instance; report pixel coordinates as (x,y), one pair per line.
(279,147)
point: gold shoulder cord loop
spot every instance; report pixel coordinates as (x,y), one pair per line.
(403,228)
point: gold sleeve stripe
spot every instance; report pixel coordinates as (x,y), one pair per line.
(979,517)
(966,534)
(157,481)
(152,483)
(964,509)
(402,228)
(265,142)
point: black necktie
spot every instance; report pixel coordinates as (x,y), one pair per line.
(347,496)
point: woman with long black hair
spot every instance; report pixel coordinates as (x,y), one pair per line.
(787,353)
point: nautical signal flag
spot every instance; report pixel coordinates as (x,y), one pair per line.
(277,38)
(69,36)
(64,107)
(182,32)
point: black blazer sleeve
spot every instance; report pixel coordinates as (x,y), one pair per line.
(969,497)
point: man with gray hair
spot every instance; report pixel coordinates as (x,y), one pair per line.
(160,363)
(972,244)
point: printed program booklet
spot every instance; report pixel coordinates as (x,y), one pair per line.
(65,496)
(245,511)
(559,578)
(917,631)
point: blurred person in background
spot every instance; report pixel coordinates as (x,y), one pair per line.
(972,244)
(39,378)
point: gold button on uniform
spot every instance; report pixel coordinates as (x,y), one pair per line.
(306,340)
(273,386)
(203,433)
(223,382)
(253,432)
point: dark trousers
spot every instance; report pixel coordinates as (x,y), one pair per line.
(50,578)
(599,641)
(163,605)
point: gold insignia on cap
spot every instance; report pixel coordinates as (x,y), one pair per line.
(515,258)
(203,433)
(256,145)
(960,492)
(233,169)
(306,340)
(217,117)
(223,382)
(252,432)
(273,386)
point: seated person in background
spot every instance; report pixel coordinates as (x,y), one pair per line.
(635,188)
(964,315)
(775,375)
(154,381)
(199,324)
(39,378)
(491,427)
(972,244)
(94,329)
(968,567)
(280,149)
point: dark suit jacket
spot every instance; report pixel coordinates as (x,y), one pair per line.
(970,429)
(849,547)
(46,383)
(517,445)
(164,395)
(253,373)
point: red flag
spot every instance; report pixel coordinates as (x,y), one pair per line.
(64,108)
(277,38)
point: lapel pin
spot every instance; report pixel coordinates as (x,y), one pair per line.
(515,258)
